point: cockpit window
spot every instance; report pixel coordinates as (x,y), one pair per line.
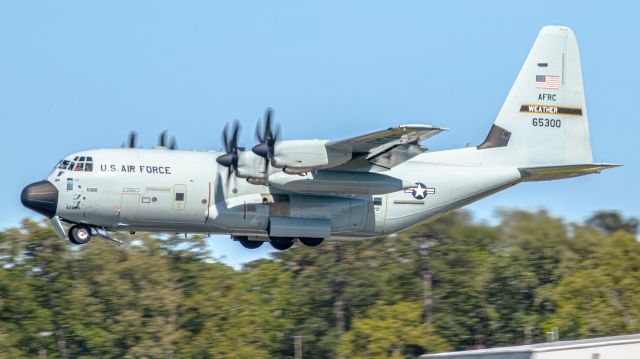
(63,164)
(84,164)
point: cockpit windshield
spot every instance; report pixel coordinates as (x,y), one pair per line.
(79,163)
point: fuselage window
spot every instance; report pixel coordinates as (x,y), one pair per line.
(88,167)
(179,196)
(71,165)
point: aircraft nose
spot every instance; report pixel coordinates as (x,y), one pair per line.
(41,197)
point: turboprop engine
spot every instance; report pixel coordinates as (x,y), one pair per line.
(300,156)
(292,156)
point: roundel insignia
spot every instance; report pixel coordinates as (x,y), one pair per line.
(420,191)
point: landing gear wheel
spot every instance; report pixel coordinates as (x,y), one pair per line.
(245,242)
(79,234)
(311,242)
(281,243)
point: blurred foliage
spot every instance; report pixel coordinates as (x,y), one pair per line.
(451,284)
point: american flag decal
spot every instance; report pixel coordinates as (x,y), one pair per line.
(547,82)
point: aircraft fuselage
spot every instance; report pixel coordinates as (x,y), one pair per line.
(181,191)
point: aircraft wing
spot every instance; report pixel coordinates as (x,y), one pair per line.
(390,147)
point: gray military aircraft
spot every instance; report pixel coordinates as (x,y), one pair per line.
(360,187)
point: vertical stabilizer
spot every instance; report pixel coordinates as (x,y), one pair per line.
(543,121)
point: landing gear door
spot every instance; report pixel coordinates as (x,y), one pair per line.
(179,196)
(380,211)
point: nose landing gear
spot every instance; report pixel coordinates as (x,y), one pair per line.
(79,234)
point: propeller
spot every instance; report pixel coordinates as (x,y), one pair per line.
(162,141)
(230,141)
(266,136)
(132,140)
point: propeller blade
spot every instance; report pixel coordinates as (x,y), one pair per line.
(230,158)
(258,133)
(268,115)
(267,137)
(272,145)
(173,145)
(132,140)
(234,136)
(162,140)
(225,138)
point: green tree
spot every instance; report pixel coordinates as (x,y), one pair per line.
(601,298)
(391,331)
(454,283)
(611,221)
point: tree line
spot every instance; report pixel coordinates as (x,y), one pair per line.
(452,284)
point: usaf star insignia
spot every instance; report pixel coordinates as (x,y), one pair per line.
(420,191)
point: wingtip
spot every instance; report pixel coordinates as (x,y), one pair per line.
(608,165)
(421,126)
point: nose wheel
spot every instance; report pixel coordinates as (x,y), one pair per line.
(79,234)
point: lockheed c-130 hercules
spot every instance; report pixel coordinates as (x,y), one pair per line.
(365,186)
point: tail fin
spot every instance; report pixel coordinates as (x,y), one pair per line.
(543,121)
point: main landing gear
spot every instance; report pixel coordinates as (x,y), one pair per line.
(311,242)
(283,243)
(245,242)
(279,243)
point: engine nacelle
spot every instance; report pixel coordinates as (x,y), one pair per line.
(251,166)
(298,156)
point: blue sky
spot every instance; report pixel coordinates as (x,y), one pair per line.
(77,74)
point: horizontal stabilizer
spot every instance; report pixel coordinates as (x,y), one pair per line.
(531,174)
